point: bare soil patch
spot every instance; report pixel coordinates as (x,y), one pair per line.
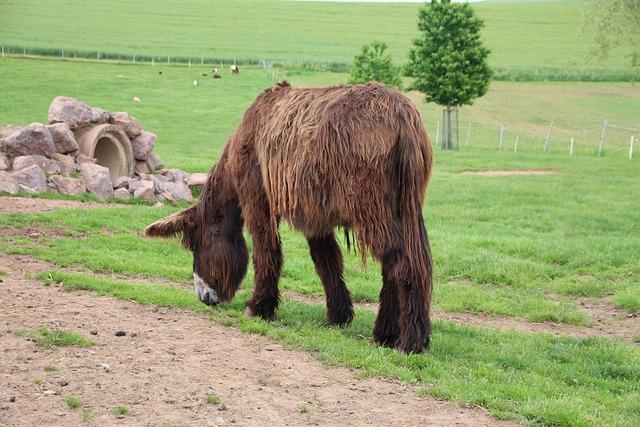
(169,360)
(30,205)
(508,172)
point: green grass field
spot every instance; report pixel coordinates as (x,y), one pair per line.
(531,248)
(521,34)
(193,123)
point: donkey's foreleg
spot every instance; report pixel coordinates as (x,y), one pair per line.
(267,264)
(327,258)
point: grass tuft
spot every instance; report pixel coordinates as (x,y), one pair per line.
(73,402)
(50,368)
(212,399)
(121,411)
(43,337)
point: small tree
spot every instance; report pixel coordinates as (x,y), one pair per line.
(448,61)
(615,23)
(372,64)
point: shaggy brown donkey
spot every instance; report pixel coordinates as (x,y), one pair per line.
(356,157)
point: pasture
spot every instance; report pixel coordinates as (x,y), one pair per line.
(523,35)
(537,275)
(536,282)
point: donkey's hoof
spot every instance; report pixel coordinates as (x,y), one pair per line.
(249,312)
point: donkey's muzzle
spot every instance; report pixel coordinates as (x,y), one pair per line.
(205,294)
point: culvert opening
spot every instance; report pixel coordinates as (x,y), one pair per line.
(107,154)
(111,148)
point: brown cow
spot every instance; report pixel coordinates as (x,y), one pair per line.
(355,157)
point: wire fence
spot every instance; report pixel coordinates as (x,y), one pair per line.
(598,141)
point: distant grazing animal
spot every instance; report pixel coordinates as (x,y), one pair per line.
(356,157)
(216,74)
(195,83)
(136,99)
(234,69)
(120,76)
(160,72)
(204,74)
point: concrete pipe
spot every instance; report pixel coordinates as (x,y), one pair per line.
(111,148)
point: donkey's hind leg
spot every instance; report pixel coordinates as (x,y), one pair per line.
(327,258)
(403,319)
(387,329)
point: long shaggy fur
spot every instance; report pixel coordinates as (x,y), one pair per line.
(356,157)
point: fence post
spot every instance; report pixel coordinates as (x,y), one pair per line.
(98,56)
(633,138)
(202,60)
(602,136)
(134,59)
(62,55)
(24,51)
(168,60)
(571,147)
(466,141)
(2,52)
(153,62)
(515,145)
(547,140)
(438,133)
(189,62)
(501,146)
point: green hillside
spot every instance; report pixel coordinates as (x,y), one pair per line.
(521,34)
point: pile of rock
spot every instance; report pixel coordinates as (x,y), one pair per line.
(38,157)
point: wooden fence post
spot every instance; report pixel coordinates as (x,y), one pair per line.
(501,145)
(515,145)
(2,52)
(633,138)
(547,140)
(62,55)
(438,133)
(602,136)
(466,141)
(571,147)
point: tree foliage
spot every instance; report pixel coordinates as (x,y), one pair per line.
(372,64)
(615,24)
(448,60)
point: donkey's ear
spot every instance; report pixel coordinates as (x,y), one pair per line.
(172,225)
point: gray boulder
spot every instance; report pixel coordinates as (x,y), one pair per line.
(167,197)
(143,144)
(122,182)
(145,191)
(31,179)
(99,116)
(121,193)
(75,113)
(179,191)
(154,161)
(47,165)
(4,162)
(141,168)
(67,186)
(197,179)
(129,124)
(63,138)
(66,162)
(33,139)
(97,180)
(174,175)
(7,184)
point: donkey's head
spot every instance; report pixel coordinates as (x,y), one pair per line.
(212,230)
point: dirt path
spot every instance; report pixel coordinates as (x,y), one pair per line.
(169,360)
(30,205)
